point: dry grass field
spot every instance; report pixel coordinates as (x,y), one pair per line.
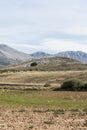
(26,104)
(37,79)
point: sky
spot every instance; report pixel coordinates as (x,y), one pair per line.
(51,26)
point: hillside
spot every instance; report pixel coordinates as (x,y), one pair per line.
(9,55)
(49,64)
(37,55)
(78,55)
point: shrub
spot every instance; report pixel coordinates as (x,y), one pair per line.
(84,87)
(33,64)
(72,85)
(85,110)
(47,85)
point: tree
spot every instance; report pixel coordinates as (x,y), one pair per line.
(33,64)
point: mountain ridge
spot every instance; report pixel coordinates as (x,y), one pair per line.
(10,56)
(40,54)
(48,64)
(77,55)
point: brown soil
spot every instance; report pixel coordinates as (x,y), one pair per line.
(27,119)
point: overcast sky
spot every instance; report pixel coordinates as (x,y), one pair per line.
(44,25)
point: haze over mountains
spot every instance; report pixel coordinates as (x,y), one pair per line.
(9,55)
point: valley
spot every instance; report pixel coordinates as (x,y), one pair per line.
(28,100)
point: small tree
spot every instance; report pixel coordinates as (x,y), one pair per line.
(72,85)
(33,64)
(47,85)
(84,87)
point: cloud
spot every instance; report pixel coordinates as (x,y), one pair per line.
(51,46)
(43,24)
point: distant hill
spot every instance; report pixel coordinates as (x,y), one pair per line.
(49,64)
(37,55)
(78,55)
(9,55)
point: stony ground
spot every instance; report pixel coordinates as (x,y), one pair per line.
(34,119)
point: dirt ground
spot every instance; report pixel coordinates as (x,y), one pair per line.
(27,119)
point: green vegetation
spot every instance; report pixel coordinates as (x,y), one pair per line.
(72,85)
(84,87)
(44,99)
(55,111)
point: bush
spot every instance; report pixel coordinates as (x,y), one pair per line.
(84,87)
(47,85)
(72,85)
(33,64)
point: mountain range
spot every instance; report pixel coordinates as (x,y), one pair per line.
(10,56)
(40,55)
(47,64)
(77,55)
